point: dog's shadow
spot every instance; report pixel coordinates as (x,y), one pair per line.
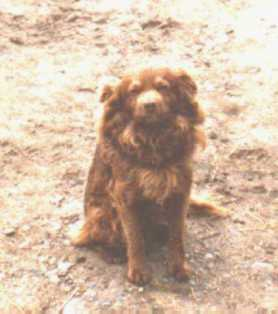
(204,241)
(203,251)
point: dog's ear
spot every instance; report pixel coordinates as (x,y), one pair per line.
(110,88)
(106,93)
(187,90)
(186,83)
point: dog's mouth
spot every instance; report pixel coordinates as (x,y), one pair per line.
(153,120)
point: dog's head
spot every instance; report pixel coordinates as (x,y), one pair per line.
(154,95)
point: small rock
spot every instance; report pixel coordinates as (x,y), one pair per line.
(57,200)
(230,31)
(67,242)
(75,306)
(51,260)
(53,278)
(100,20)
(130,289)
(26,228)
(224,140)
(25,245)
(213,135)
(43,259)
(263,266)
(91,295)
(207,64)
(259,189)
(9,232)
(80,259)
(141,289)
(239,221)
(106,303)
(72,18)
(43,268)
(56,17)
(55,226)
(209,256)
(150,23)
(17,40)
(63,268)
(67,288)
(93,286)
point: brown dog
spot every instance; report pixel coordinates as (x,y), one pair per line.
(141,175)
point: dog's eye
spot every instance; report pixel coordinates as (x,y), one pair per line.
(162,84)
(134,87)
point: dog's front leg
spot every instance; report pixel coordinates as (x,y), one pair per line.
(176,207)
(130,220)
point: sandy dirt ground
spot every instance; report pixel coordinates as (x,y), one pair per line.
(54,57)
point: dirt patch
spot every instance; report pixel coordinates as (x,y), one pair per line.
(53,59)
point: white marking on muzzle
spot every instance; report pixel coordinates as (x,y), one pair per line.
(149,97)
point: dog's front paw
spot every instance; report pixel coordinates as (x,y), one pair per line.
(180,271)
(138,276)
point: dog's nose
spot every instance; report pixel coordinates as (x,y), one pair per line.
(150,106)
(149,101)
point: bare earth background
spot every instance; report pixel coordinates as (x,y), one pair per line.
(54,56)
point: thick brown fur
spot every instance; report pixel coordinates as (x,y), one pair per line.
(139,184)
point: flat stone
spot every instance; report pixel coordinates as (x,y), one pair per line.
(209,256)
(63,268)
(75,306)
(9,232)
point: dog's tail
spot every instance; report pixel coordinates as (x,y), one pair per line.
(82,237)
(200,207)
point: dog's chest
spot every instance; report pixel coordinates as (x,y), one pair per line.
(158,185)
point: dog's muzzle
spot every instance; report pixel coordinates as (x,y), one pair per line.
(150,103)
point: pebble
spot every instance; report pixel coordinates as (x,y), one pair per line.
(51,260)
(80,259)
(67,288)
(91,295)
(141,289)
(53,278)
(9,232)
(43,259)
(209,256)
(106,303)
(213,135)
(75,306)
(67,242)
(25,245)
(63,268)
(17,41)
(26,228)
